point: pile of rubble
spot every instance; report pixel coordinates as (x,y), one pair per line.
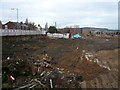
(42,74)
(91,58)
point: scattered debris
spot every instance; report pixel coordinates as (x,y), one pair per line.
(101,63)
(107,39)
(12,78)
(86,57)
(8,58)
(48,76)
(77,48)
(36,65)
(34,70)
(51,85)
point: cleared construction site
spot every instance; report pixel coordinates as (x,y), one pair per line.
(30,62)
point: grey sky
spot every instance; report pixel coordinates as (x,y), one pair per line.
(64,12)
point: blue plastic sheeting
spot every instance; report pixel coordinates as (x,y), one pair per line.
(77,36)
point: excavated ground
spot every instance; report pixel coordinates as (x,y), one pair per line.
(95,59)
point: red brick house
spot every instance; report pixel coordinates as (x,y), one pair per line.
(72,31)
(11,25)
(0,25)
(15,25)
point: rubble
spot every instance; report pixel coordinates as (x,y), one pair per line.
(8,58)
(47,75)
(33,70)
(33,83)
(59,63)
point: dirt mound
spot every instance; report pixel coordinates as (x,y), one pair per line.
(108,54)
(65,60)
(74,63)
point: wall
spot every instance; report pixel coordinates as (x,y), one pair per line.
(13,32)
(59,35)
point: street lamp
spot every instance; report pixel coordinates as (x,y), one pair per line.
(17,14)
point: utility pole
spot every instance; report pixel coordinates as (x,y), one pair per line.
(17,15)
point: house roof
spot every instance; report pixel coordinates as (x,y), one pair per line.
(24,25)
(17,23)
(0,22)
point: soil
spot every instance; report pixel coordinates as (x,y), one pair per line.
(69,55)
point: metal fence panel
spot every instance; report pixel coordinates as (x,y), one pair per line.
(13,32)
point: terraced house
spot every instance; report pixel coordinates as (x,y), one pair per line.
(0,25)
(17,25)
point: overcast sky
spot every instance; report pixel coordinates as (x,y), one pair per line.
(85,13)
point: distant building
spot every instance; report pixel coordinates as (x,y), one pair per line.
(11,25)
(78,30)
(24,27)
(64,30)
(60,30)
(89,29)
(82,31)
(105,33)
(72,31)
(26,21)
(46,27)
(31,26)
(15,25)
(0,25)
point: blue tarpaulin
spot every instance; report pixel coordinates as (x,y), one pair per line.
(77,36)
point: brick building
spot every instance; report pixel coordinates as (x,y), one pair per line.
(15,25)
(11,25)
(0,25)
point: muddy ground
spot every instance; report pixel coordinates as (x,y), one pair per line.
(94,60)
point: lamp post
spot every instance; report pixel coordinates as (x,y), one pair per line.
(17,14)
